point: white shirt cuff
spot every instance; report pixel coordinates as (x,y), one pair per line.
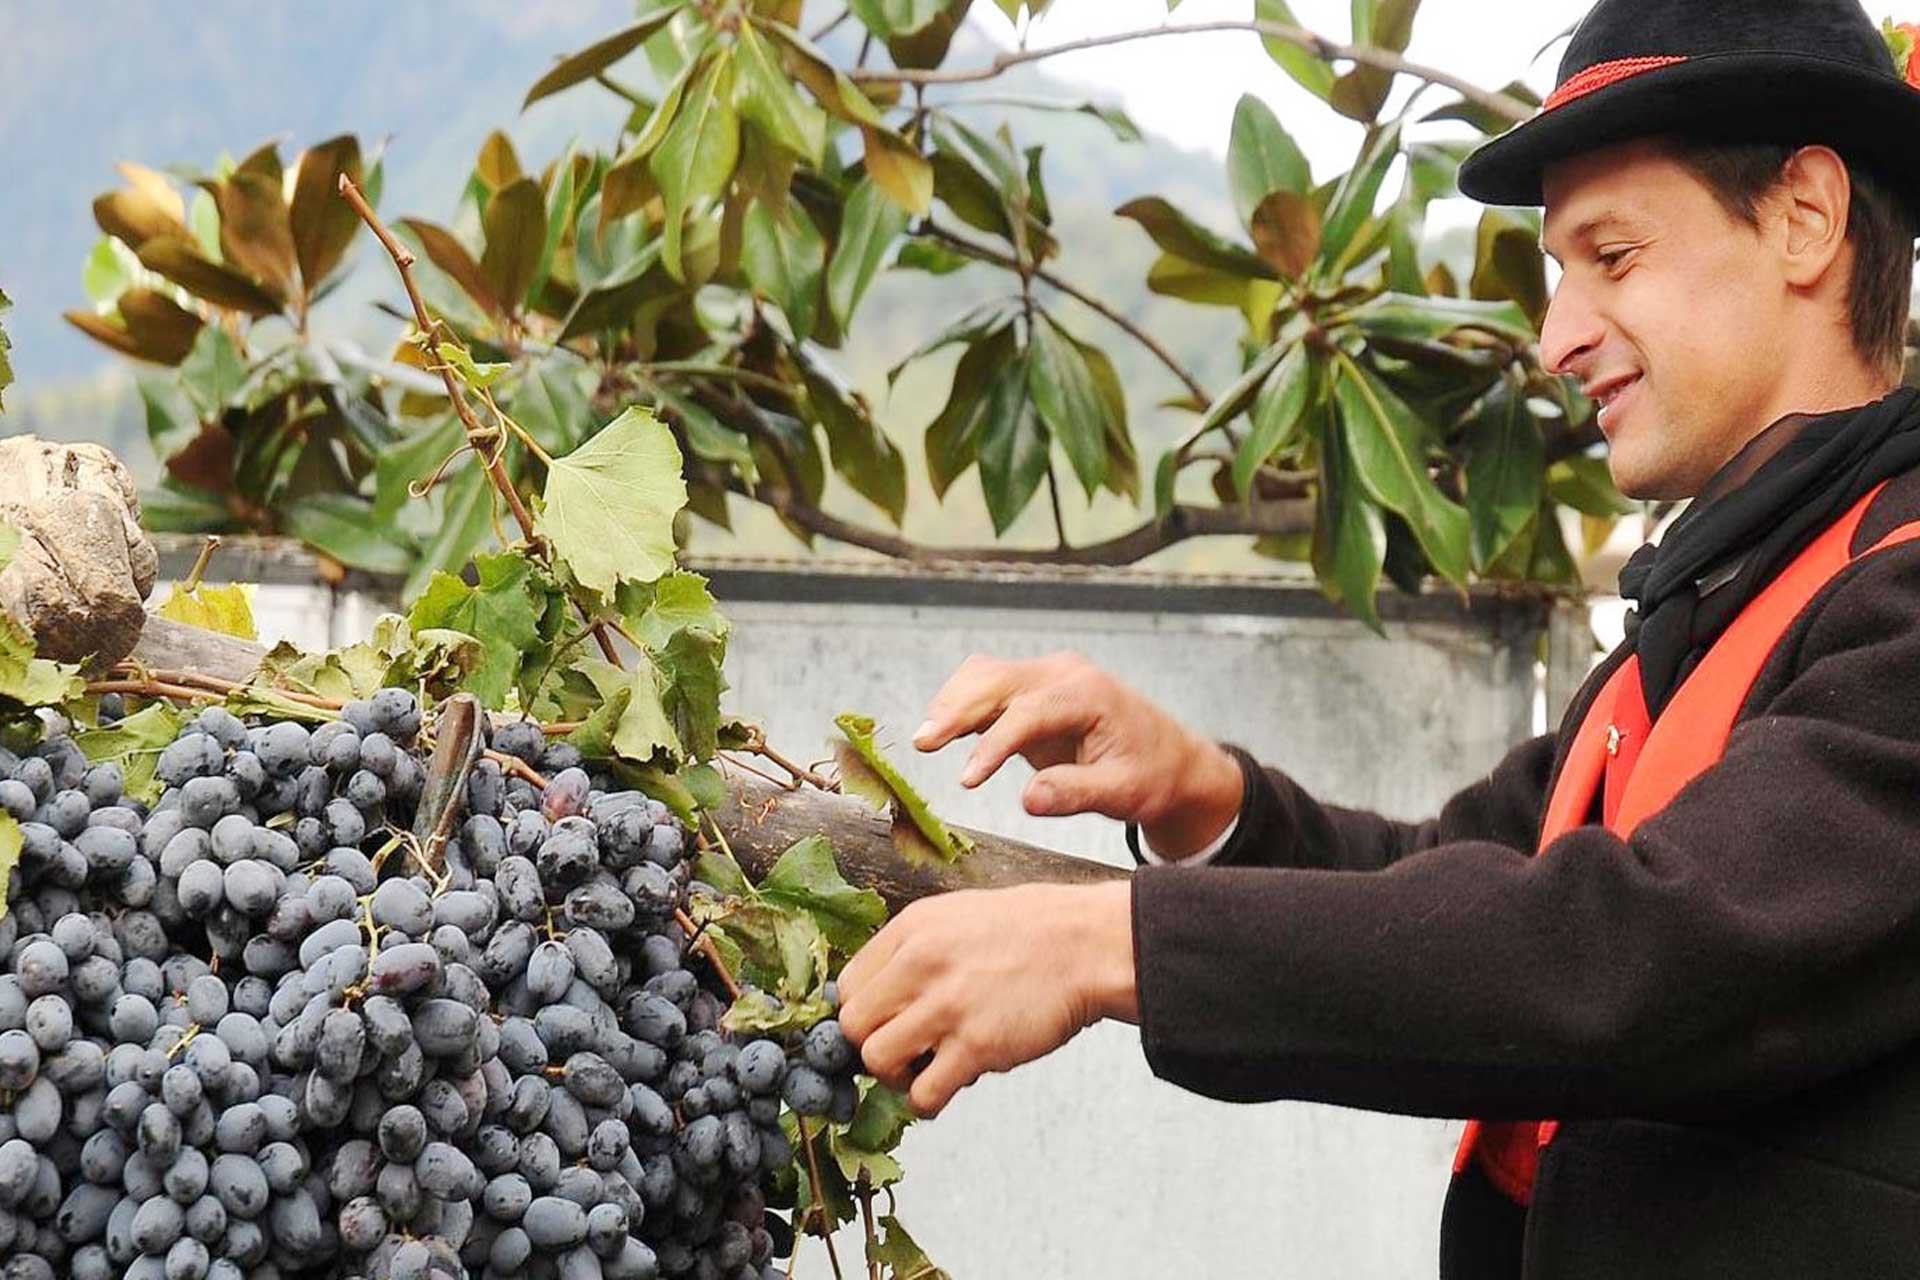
(1194,859)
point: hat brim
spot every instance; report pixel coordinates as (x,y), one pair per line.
(1869,118)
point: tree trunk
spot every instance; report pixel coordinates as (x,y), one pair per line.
(760,820)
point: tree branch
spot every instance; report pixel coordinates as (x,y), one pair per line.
(986,253)
(1265,519)
(1509,107)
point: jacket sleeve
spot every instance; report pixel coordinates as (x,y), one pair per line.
(1281,825)
(1759,935)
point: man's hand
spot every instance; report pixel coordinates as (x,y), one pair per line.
(984,980)
(1098,746)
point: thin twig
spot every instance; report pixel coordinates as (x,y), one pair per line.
(706,948)
(516,766)
(986,253)
(760,747)
(223,686)
(759,773)
(477,435)
(819,1200)
(207,549)
(1327,50)
(154,689)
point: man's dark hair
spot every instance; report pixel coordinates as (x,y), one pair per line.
(1880,296)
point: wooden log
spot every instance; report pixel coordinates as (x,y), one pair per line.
(760,820)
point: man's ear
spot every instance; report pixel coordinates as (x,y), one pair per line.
(1815,195)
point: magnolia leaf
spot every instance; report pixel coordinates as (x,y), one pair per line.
(807,878)
(897,168)
(869,225)
(785,259)
(766,97)
(918,835)
(1286,231)
(502,612)
(1349,534)
(134,743)
(1062,388)
(181,261)
(228,609)
(1301,63)
(452,257)
(1262,158)
(1387,444)
(323,224)
(516,233)
(699,151)
(609,505)
(600,55)
(1505,454)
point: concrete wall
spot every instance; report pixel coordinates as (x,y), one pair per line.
(1084,1164)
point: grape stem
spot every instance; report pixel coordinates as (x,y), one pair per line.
(819,1200)
(864,1189)
(515,765)
(706,948)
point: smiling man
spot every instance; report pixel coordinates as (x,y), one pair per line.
(1667,959)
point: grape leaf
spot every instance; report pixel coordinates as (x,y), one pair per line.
(502,612)
(11,842)
(918,835)
(807,878)
(654,611)
(29,681)
(689,667)
(134,743)
(609,505)
(757,1013)
(903,1259)
(783,952)
(867,1143)
(228,609)
(638,728)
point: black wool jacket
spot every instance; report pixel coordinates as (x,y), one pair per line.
(1723,1010)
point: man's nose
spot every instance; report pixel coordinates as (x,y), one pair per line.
(1570,333)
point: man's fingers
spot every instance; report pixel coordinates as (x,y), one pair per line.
(971,698)
(1027,719)
(868,963)
(951,1071)
(1108,787)
(889,1053)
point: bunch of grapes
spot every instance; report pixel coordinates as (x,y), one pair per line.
(249,1033)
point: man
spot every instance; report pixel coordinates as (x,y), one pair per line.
(1668,959)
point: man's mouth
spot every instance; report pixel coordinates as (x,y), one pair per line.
(1607,394)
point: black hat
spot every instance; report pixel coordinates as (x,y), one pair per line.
(1791,71)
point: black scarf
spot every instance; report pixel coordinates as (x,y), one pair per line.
(1774,497)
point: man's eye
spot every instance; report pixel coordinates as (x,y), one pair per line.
(1613,257)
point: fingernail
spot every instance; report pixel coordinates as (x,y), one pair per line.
(924,731)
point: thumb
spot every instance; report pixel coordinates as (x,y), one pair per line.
(1106,787)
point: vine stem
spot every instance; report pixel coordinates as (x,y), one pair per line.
(477,435)
(1327,50)
(195,680)
(154,689)
(987,253)
(865,1192)
(819,1200)
(211,545)
(706,948)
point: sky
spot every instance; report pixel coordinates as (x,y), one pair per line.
(1186,88)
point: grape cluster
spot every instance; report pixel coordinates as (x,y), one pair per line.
(247,1033)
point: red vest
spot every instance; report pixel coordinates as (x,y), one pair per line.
(1638,767)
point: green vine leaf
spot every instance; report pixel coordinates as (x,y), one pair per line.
(918,835)
(807,878)
(228,609)
(903,1259)
(29,681)
(609,505)
(135,744)
(502,612)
